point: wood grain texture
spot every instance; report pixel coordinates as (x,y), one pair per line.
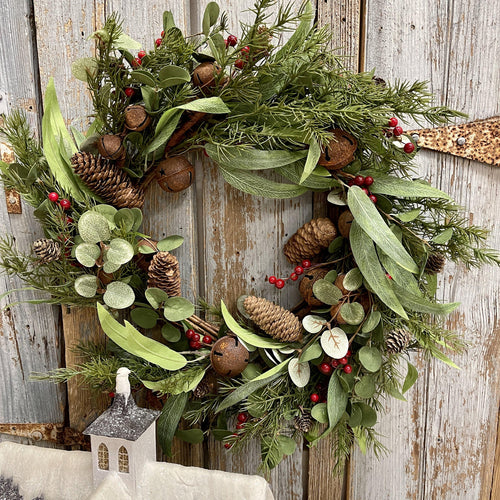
(29,334)
(442,440)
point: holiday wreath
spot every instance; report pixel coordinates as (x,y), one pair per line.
(367,274)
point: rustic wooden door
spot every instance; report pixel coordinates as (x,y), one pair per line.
(443,441)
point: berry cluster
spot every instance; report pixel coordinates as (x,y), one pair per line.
(364,183)
(398,131)
(231,41)
(242,61)
(280,283)
(195,340)
(241,418)
(63,203)
(326,368)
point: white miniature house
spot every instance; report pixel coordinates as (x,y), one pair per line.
(123,438)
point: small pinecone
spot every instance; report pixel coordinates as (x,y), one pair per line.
(310,240)
(435,263)
(47,250)
(202,389)
(303,422)
(107,180)
(273,319)
(397,340)
(164,273)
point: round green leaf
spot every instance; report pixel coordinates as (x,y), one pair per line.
(370,358)
(145,249)
(86,285)
(336,197)
(334,342)
(109,212)
(83,68)
(347,381)
(144,317)
(170,333)
(300,373)
(93,227)
(120,251)
(371,322)
(314,351)
(365,388)
(178,308)
(87,253)
(336,244)
(156,297)
(353,313)
(170,243)
(313,323)
(125,219)
(287,445)
(368,415)
(331,276)
(241,307)
(137,218)
(327,292)
(356,416)
(119,295)
(110,267)
(353,279)
(320,413)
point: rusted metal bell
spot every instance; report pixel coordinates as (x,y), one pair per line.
(136,117)
(204,74)
(344,223)
(111,147)
(142,260)
(229,356)
(307,282)
(175,174)
(340,151)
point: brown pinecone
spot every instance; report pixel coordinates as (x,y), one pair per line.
(202,389)
(47,250)
(273,319)
(164,273)
(107,180)
(303,422)
(397,340)
(435,263)
(310,240)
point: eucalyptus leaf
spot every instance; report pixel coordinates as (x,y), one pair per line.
(313,323)
(210,17)
(444,237)
(353,313)
(421,304)
(336,244)
(156,297)
(86,285)
(370,358)
(299,372)
(168,21)
(118,295)
(84,67)
(313,155)
(124,42)
(93,227)
(365,388)
(144,77)
(169,419)
(170,243)
(320,413)
(336,197)
(120,251)
(108,212)
(191,436)
(287,445)
(335,343)
(368,415)
(371,322)
(331,276)
(110,267)
(164,129)
(144,317)
(170,333)
(177,309)
(173,75)
(336,401)
(356,416)
(326,292)
(314,351)
(212,105)
(402,188)
(87,254)
(409,216)
(353,279)
(125,218)
(137,218)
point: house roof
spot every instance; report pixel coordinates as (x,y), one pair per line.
(123,419)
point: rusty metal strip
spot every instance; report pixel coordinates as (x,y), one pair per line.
(478,140)
(13,200)
(54,433)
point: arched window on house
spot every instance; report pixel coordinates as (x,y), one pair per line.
(103,457)
(123,460)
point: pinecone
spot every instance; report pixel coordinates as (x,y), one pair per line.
(303,422)
(310,240)
(164,273)
(202,389)
(397,340)
(435,263)
(47,250)
(107,180)
(273,319)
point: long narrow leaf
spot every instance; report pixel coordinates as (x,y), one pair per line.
(400,276)
(164,129)
(420,304)
(169,420)
(403,188)
(312,160)
(212,105)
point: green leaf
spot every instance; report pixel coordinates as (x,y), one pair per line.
(107,211)
(400,276)
(144,77)
(352,280)
(144,317)
(314,351)
(137,218)
(287,445)
(365,388)
(124,42)
(299,372)
(118,295)
(110,267)
(212,105)
(336,401)
(444,237)
(124,218)
(331,276)
(313,155)
(370,358)
(151,98)
(420,304)
(164,129)
(168,21)
(273,371)
(445,359)
(401,188)
(369,415)
(120,251)
(93,227)
(173,75)
(170,243)
(177,309)
(146,250)
(217,46)
(191,436)
(87,254)
(86,285)
(84,67)
(130,340)
(393,391)
(170,333)
(336,197)
(246,335)
(356,416)
(210,17)
(371,322)
(293,173)
(409,216)
(169,420)
(352,313)
(326,292)
(366,257)
(156,297)
(368,217)
(320,413)
(181,381)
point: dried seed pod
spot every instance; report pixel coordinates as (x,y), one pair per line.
(111,147)
(344,223)
(435,263)
(164,273)
(175,174)
(397,341)
(306,285)
(303,422)
(340,150)
(229,357)
(47,250)
(136,118)
(204,74)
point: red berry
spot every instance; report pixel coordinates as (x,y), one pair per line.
(245,50)
(158,42)
(306,263)
(207,339)
(409,147)
(294,277)
(65,204)
(69,220)
(325,368)
(273,280)
(141,54)
(240,426)
(351,183)
(162,34)
(299,270)
(129,91)
(227,446)
(111,394)
(373,198)
(279,284)
(136,62)
(190,333)
(335,363)
(226,43)
(53,196)
(242,417)
(240,63)
(343,361)
(365,191)
(398,131)
(196,337)
(347,369)
(314,397)
(368,180)
(195,344)
(232,40)
(348,354)
(393,122)
(359,180)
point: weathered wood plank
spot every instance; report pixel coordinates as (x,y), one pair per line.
(29,335)
(441,440)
